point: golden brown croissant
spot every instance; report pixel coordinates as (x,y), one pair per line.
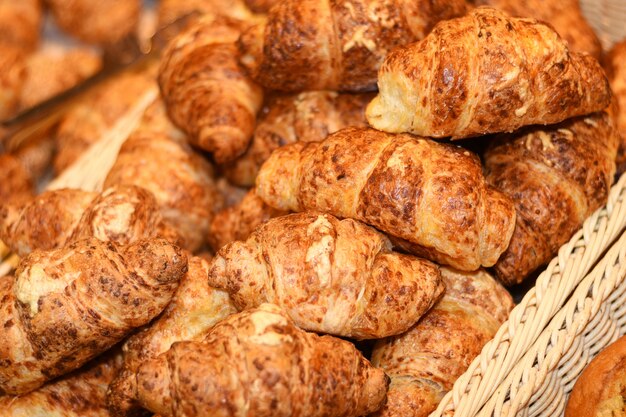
(85,124)
(258,363)
(96,21)
(564,15)
(81,393)
(156,157)
(194,310)
(121,215)
(20,23)
(424,362)
(238,221)
(17,183)
(170,10)
(68,305)
(206,93)
(261,6)
(330,276)
(557,177)
(615,65)
(335,45)
(485,73)
(12,78)
(431,195)
(307,117)
(53,70)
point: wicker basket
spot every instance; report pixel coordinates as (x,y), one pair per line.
(530,366)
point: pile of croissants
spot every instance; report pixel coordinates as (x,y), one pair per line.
(317,216)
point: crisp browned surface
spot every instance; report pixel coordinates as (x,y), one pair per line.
(615,65)
(96,21)
(206,93)
(307,117)
(424,362)
(50,71)
(121,215)
(195,308)
(261,6)
(432,195)
(485,73)
(157,158)
(85,123)
(258,363)
(20,23)
(335,45)
(81,393)
(44,222)
(564,15)
(238,221)
(170,10)
(557,176)
(602,380)
(12,78)
(330,276)
(36,155)
(17,184)
(68,305)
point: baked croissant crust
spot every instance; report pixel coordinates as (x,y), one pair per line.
(431,197)
(81,393)
(424,362)
(206,93)
(615,65)
(565,16)
(557,176)
(156,157)
(239,221)
(335,45)
(195,308)
(485,73)
(20,23)
(330,276)
(308,117)
(68,305)
(258,363)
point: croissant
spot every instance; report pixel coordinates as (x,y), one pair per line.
(238,221)
(17,183)
(564,15)
(330,276)
(261,6)
(335,45)
(12,78)
(258,363)
(86,123)
(96,21)
(431,197)
(50,71)
(156,157)
(68,305)
(205,92)
(20,23)
(615,65)
(557,177)
(121,215)
(307,117)
(497,74)
(424,362)
(79,394)
(194,310)
(171,10)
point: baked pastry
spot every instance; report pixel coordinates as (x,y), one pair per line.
(308,117)
(424,362)
(12,79)
(330,276)
(557,176)
(339,45)
(20,23)
(564,15)
(431,198)
(599,390)
(258,363)
(498,74)
(615,65)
